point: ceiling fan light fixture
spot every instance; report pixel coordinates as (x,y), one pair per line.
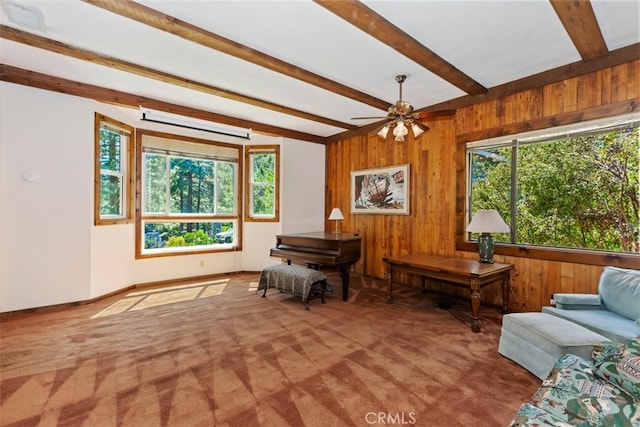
(400,131)
(417,130)
(383,132)
(401,117)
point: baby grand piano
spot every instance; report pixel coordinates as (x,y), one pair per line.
(321,249)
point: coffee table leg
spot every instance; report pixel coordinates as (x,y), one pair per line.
(475,305)
(505,293)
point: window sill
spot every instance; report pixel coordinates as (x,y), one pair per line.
(579,256)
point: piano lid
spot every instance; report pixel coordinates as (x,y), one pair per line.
(323,235)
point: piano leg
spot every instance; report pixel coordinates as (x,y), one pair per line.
(344,275)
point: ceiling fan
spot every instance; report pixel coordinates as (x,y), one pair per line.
(401,117)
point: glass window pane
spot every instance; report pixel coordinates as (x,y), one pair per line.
(263,167)
(192,185)
(162,235)
(155,189)
(110,195)
(263,200)
(226,192)
(491,183)
(580,192)
(110,150)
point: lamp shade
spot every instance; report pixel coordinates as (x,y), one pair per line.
(336,214)
(487,221)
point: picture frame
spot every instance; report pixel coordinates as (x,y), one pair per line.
(380,190)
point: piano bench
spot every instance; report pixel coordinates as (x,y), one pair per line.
(306,283)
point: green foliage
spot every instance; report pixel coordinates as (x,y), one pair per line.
(197,238)
(264,167)
(176,242)
(263,200)
(580,192)
(110,193)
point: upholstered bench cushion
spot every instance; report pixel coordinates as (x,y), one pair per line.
(293,279)
(535,341)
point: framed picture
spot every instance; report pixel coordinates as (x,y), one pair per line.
(380,191)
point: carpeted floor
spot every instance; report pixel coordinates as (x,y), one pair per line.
(224,356)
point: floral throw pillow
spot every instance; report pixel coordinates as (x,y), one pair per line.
(620,366)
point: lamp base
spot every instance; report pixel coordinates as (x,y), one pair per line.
(485,248)
(337,231)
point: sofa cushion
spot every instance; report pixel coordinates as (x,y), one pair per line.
(575,395)
(578,301)
(619,289)
(603,322)
(536,340)
(619,364)
(532,416)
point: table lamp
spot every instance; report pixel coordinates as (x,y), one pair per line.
(336,215)
(487,221)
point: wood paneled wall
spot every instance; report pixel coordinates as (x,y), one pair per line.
(430,226)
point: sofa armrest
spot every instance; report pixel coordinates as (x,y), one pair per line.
(578,301)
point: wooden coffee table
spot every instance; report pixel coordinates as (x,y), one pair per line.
(456,271)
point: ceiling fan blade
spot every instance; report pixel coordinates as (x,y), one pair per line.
(432,114)
(361,118)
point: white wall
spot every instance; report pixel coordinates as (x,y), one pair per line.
(301,203)
(50,251)
(303,178)
(44,223)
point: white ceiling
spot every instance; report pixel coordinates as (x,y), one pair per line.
(492,42)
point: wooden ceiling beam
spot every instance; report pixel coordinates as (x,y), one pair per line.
(24,77)
(153,18)
(364,18)
(616,57)
(40,42)
(580,22)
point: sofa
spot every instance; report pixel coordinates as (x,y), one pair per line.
(613,312)
(535,340)
(602,391)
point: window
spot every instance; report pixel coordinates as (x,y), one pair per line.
(189,195)
(113,171)
(575,188)
(262,182)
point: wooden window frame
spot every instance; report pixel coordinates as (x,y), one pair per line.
(128,174)
(248,185)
